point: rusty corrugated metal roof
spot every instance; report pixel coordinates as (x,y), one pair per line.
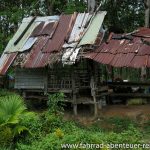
(61,34)
(124,52)
(5,62)
(41,42)
(36,58)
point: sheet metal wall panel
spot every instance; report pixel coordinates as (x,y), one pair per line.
(60,34)
(30,79)
(93,30)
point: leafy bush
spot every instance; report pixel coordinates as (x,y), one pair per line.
(137,101)
(55,103)
(71,133)
(4,93)
(115,124)
(12,114)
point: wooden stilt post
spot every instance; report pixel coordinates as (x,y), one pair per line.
(93,93)
(46,81)
(112,74)
(93,86)
(74,94)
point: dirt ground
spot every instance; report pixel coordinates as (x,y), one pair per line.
(141,113)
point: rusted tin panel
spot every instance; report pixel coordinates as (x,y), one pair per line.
(38,29)
(127,60)
(49,28)
(139,61)
(107,58)
(144,50)
(5,62)
(60,35)
(122,51)
(142,32)
(36,58)
(91,55)
(45,28)
(148,61)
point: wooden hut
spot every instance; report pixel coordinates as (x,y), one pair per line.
(47,55)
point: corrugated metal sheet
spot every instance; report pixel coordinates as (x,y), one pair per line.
(37,24)
(45,36)
(139,61)
(70,55)
(30,78)
(61,34)
(79,27)
(45,28)
(18,48)
(41,19)
(126,52)
(38,29)
(29,43)
(36,58)
(93,29)
(142,32)
(5,62)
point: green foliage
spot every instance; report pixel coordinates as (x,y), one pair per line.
(75,6)
(126,15)
(71,133)
(4,93)
(6,137)
(136,101)
(12,114)
(55,103)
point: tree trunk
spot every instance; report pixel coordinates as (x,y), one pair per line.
(147,12)
(91,6)
(49,5)
(147,20)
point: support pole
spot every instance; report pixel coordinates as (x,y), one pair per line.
(74,93)
(93,93)
(93,86)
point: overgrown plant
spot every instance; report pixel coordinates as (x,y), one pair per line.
(12,113)
(56,103)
